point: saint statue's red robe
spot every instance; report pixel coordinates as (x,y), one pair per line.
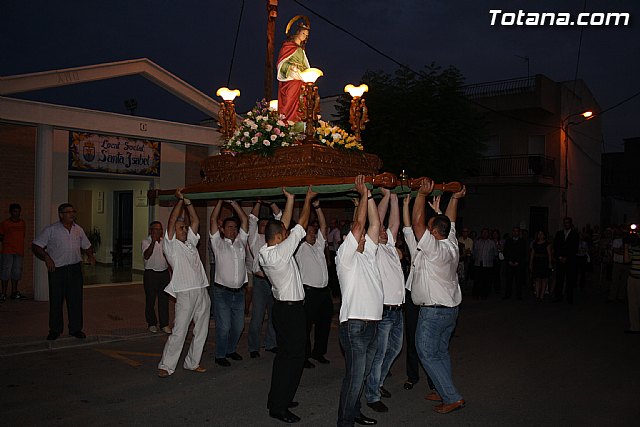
(289,85)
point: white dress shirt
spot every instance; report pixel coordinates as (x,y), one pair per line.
(157,261)
(333,238)
(312,263)
(412,244)
(231,270)
(435,271)
(63,246)
(391,272)
(188,272)
(360,284)
(256,241)
(281,269)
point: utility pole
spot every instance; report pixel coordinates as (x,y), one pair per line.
(272,14)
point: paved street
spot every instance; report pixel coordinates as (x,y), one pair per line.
(515,362)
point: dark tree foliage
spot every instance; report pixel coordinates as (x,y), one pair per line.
(421,123)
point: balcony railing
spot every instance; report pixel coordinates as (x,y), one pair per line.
(500,87)
(515,166)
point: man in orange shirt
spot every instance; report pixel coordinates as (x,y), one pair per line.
(12,232)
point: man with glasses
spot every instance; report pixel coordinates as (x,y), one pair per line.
(60,246)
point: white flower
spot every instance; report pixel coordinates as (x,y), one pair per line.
(336,136)
(238,142)
(249,113)
(254,126)
(258,118)
(265,118)
(254,139)
(266,143)
(291,122)
(247,145)
(280,122)
(273,137)
(268,128)
(285,144)
(246,134)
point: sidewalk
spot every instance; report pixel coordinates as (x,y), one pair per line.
(111,312)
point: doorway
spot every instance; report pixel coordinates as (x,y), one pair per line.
(122,228)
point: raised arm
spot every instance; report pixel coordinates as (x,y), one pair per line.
(435,205)
(452,207)
(244,219)
(175,213)
(193,216)
(384,203)
(288,208)
(418,217)
(321,219)
(213,219)
(360,216)
(275,210)
(374,219)
(306,208)
(256,209)
(394,216)
(406,213)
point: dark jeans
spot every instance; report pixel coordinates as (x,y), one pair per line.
(358,340)
(515,277)
(290,324)
(569,272)
(411,313)
(65,283)
(154,284)
(319,308)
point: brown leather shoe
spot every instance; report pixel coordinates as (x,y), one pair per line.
(200,369)
(445,409)
(163,373)
(433,396)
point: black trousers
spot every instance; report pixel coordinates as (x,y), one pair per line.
(566,271)
(65,283)
(154,284)
(318,307)
(411,312)
(290,324)
(515,277)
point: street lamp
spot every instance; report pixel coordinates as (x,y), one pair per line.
(227,114)
(309,103)
(358,109)
(566,123)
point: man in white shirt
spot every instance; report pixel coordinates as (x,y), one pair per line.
(262,297)
(389,333)
(362,304)
(60,246)
(156,277)
(318,304)
(229,248)
(188,286)
(277,261)
(436,290)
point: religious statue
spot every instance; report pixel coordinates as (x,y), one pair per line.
(292,60)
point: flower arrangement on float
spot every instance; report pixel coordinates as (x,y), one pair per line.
(263,130)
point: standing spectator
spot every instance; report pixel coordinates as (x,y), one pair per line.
(632,257)
(156,278)
(318,304)
(289,318)
(435,288)
(188,286)
(262,296)
(229,247)
(12,232)
(540,264)
(620,269)
(583,261)
(485,252)
(467,242)
(334,239)
(60,246)
(389,333)
(362,304)
(515,257)
(565,250)
(498,261)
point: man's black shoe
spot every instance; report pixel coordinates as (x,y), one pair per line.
(384,392)
(234,356)
(79,334)
(286,416)
(321,359)
(378,406)
(222,361)
(408,385)
(293,405)
(273,350)
(52,336)
(308,365)
(18,296)
(364,421)
(254,354)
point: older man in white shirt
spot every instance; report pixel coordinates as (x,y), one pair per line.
(362,304)
(156,277)
(188,286)
(436,290)
(229,247)
(289,319)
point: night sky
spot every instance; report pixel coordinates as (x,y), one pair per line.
(194,40)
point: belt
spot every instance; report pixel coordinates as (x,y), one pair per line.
(313,288)
(435,306)
(393,307)
(290,302)
(259,274)
(226,288)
